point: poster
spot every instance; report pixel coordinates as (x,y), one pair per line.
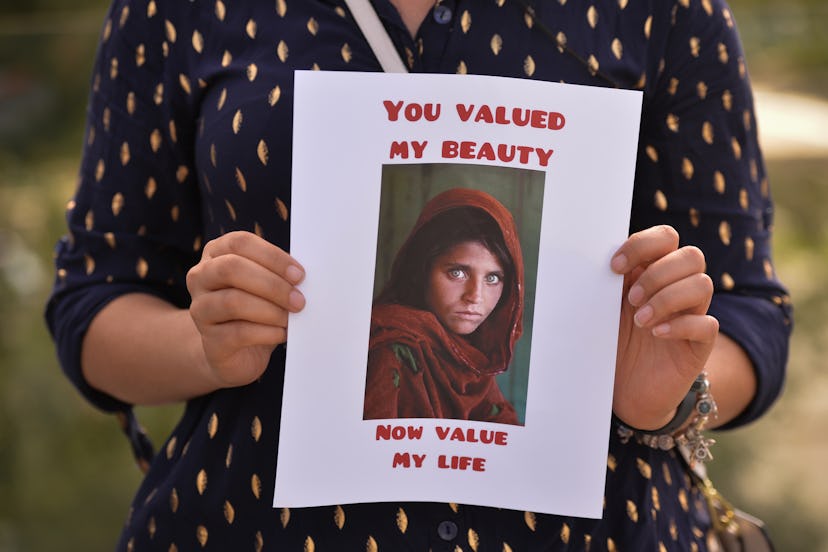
(499,202)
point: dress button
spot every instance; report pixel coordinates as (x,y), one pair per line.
(442,14)
(447,530)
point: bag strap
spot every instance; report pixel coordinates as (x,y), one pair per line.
(371,26)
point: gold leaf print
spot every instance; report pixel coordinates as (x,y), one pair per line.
(530,520)
(719,183)
(309,545)
(259,541)
(723,55)
(652,153)
(107,30)
(672,87)
(632,511)
(496,44)
(155,140)
(256,428)
(462,69)
(746,119)
(213,155)
(339,517)
(724,232)
(130,103)
(284,517)
(743,199)
(587,542)
(611,462)
(222,99)
(117,203)
(252,71)
(91,138)
(124,16)
(611,545)
(737,148)
(184,81)
(100,169)
(229,512)
(695,45)
(173,131)
(665,471)
(660,200)
(201,482)
(727,283)
(708,7)
(281,7)
(124,153)
(170,30)
(656,499)
(201,535)
(648,27)
(230,209)
(617,48)
(174,500)
(62,274)
(251,28)
(262,152)
(687,168)
(282,51)
(171,447)
(371,545)
(241,180)
(465,21)
(527,19)
(149,189)
(622,4)
(474,539)
(644,468)
(673,122)
(701,89)
(685,3)
(221,10)
(313,26)
(113,68)
(345,52)
(454,507)
(228,458)
(131,545)
(592,64)
(186,445)
(764,188)
(749,248)
(529,66)
(238,119)
(661,547)
(707,132)
(694,220)
(728,18)
(565,533)
(682,494)
(226,59)
(90,264)
(282,209)
(767,266)
(402,521)
(256,486)
(158,96)
(212,425)
(198,42)
(151,527)
(142,268)
(500,3)
(89,220)
(274,95)
(592,16)
(110,239)
(151,9)
(181,173)
(727,100)
(506,547)
(340,11)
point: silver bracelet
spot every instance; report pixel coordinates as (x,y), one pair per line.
(692,439)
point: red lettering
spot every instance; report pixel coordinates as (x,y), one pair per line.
(556,120)
(539,118)
(393,109)
(397,433)
(449,149)
(484,114)
(464,112)
(418,148)
(543,156)
(413,112)
(461,463)
(398,149)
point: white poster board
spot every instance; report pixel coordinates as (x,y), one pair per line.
(582,142)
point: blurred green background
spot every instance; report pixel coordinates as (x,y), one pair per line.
(66,473)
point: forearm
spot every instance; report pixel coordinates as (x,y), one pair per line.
(143,350)
(732,379)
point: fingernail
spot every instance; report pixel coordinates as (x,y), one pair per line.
(619,262)
(636,294)
(661,329)
(643,315)
(294,274)
(296,300)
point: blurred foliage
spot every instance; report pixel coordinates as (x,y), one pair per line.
(66,474)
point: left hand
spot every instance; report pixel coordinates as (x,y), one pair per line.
(665,335)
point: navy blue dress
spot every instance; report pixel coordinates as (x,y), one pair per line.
(189,137)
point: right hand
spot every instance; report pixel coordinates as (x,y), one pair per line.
(242,290)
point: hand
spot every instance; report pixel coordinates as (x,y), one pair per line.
(242,291)
(665,335)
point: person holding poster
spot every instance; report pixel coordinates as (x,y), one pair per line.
(174,282)
(447,320)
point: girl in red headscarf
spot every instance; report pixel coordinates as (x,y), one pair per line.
(449,316)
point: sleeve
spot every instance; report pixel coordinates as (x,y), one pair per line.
(700,170)
(134,223)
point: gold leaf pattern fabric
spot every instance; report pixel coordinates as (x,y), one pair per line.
(189,136)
